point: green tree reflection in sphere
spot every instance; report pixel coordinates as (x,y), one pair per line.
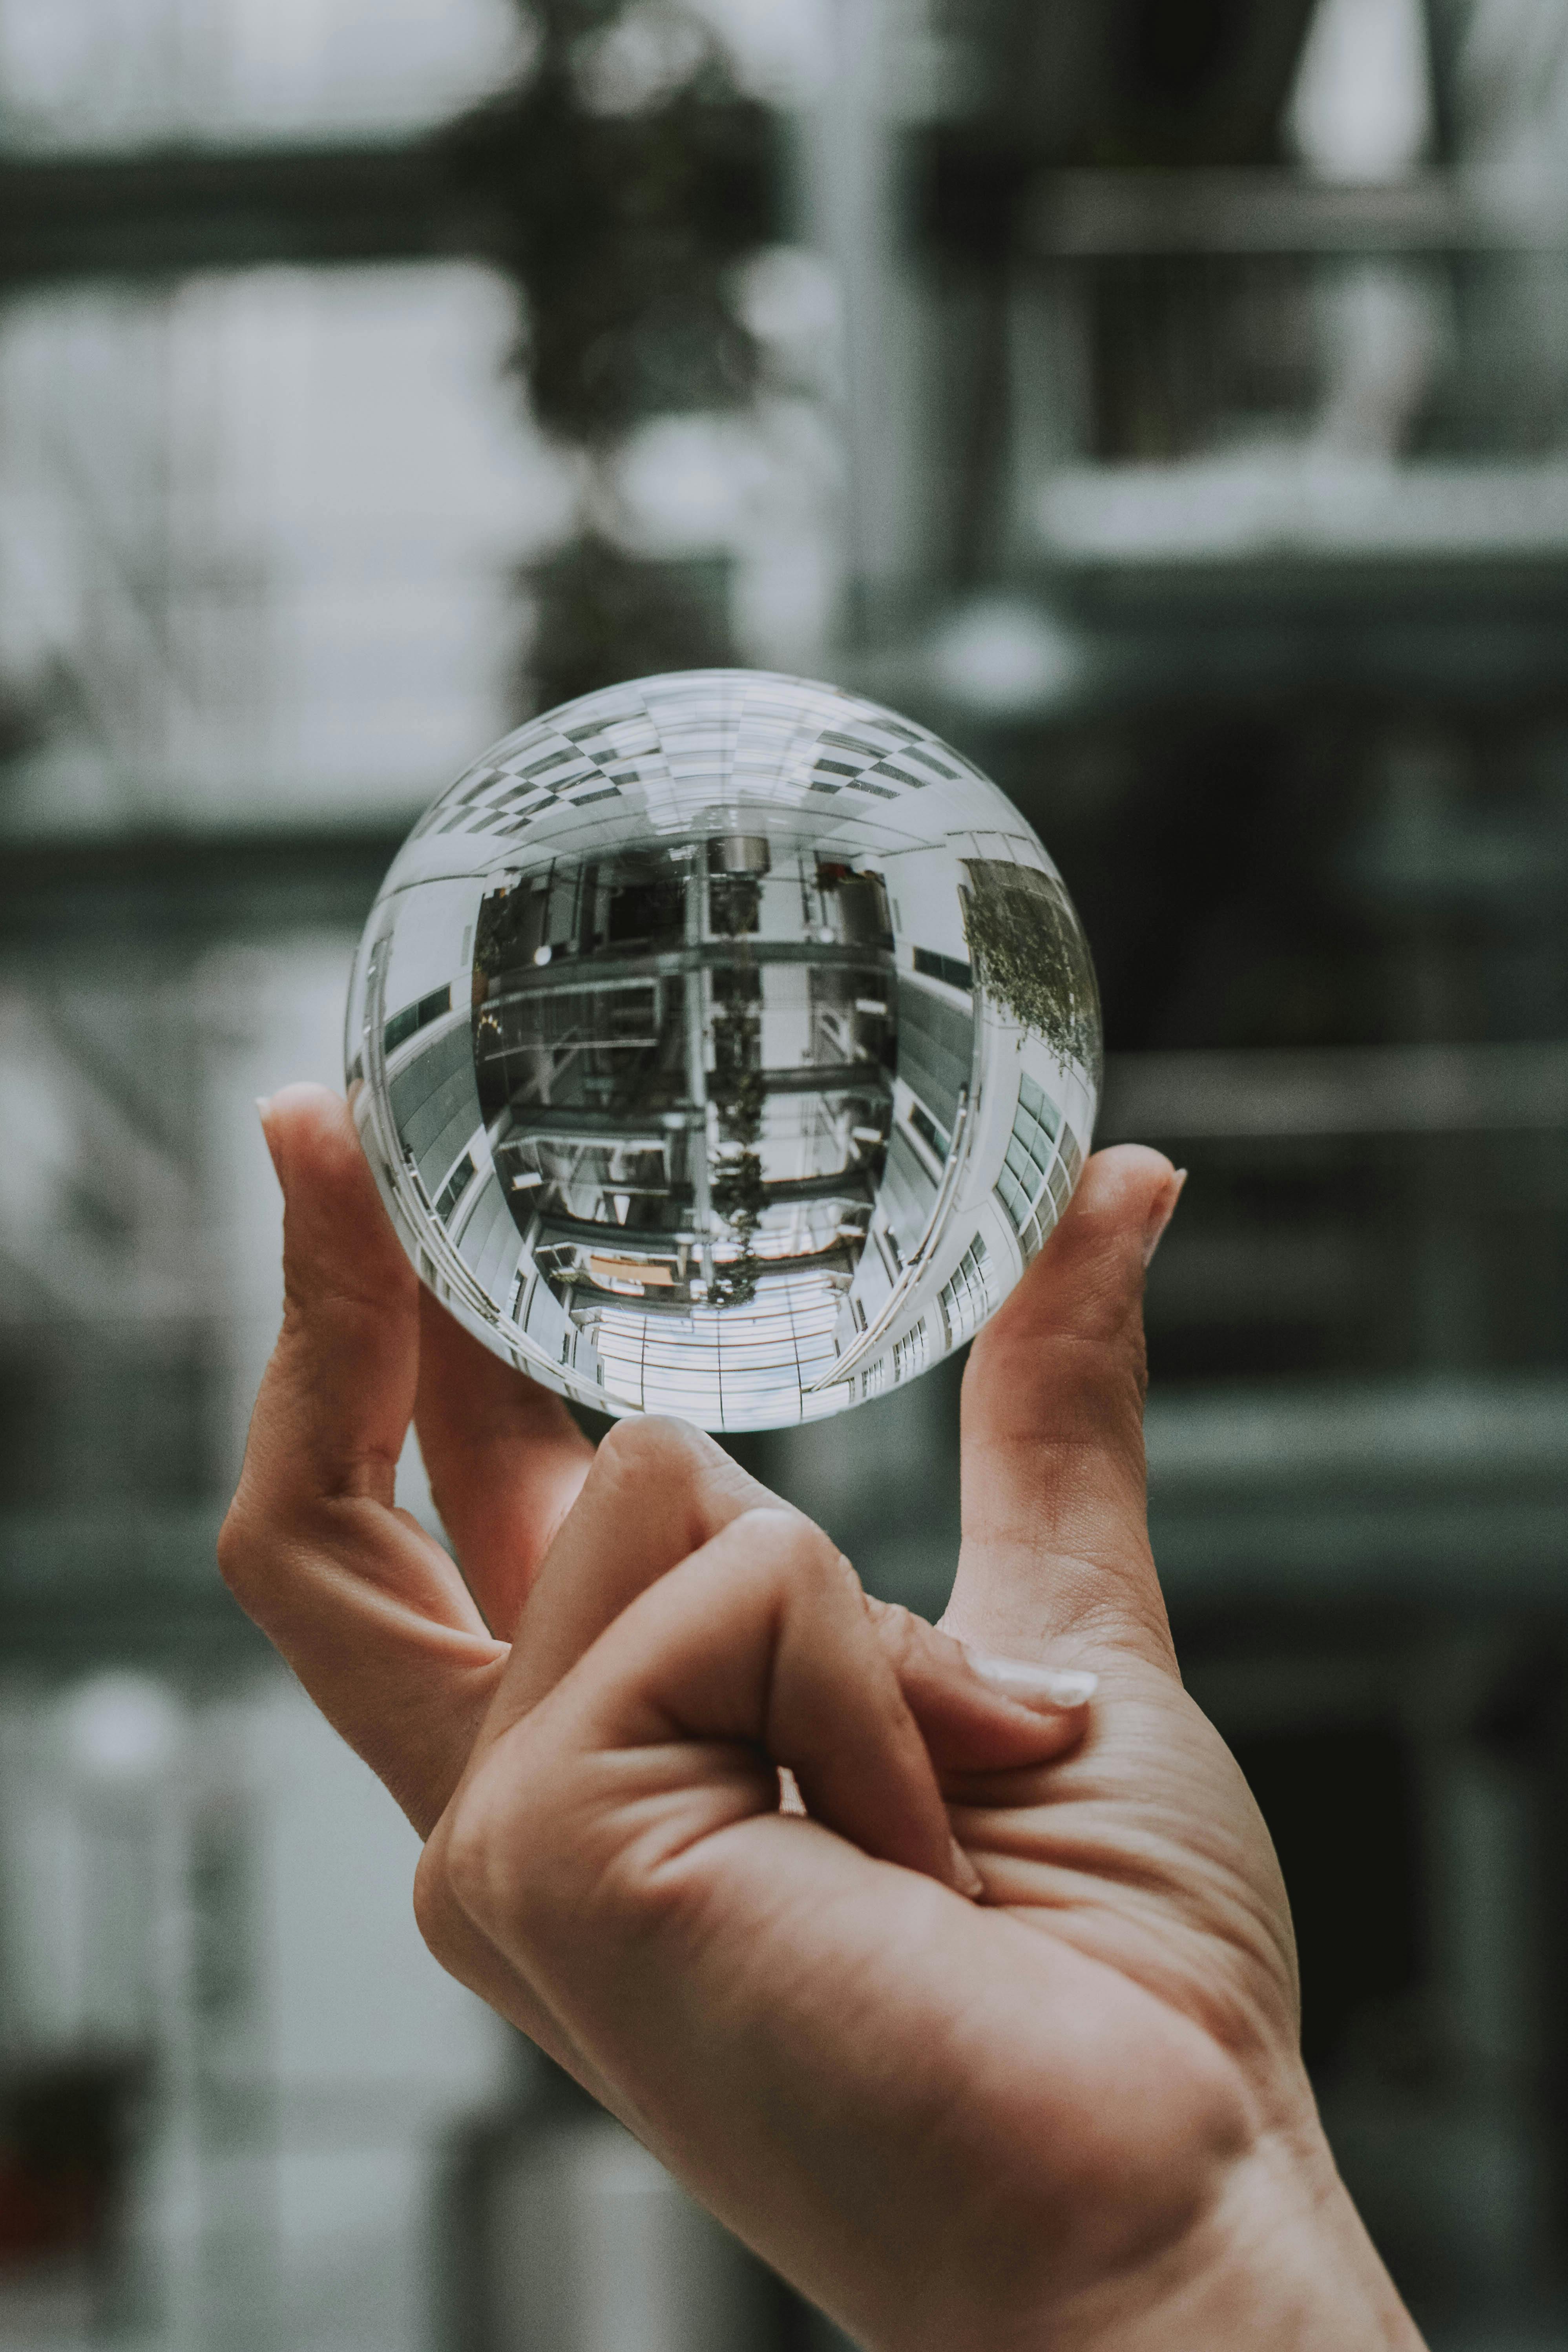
(724,1046)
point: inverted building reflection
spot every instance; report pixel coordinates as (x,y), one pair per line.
(716,1100)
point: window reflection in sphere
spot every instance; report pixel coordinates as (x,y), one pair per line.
(724,1046)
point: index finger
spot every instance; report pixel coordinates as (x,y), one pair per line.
(506,1461)
(367,1609)
(660,1491)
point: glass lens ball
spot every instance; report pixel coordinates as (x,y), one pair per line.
(724,1046)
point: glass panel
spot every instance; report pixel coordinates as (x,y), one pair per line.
(124,73)
(257,537)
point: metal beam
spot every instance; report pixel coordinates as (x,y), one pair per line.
(1106,215)
(575,975)
(169,212)
(827,1078)
(1448,1497)
(1441,1494)
(157,895)
(161,896)
(991,200)
(1352,1090)
(81,1587)
(1441,1500)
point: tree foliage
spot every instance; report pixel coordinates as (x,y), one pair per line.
(1029,954)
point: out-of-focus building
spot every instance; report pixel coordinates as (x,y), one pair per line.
(1171,404)
(1240,340)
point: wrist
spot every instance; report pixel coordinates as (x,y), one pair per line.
(1282,2261)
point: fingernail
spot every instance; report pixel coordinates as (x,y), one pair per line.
(1167,1210)
(965,1877)
(263,1111)
(1032,1686)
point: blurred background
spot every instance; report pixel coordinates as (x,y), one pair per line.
(1166,399)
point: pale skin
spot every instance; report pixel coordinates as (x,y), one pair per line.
(996,2046)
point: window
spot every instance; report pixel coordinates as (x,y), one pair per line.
(909,1353)
(936,1049)
(952,968)
(415,1017)
(455,1185)
(968,1297)
(1037,1156)
(926,1128)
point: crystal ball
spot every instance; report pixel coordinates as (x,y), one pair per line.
(724,1046)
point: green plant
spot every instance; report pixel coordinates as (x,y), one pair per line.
(1029,954)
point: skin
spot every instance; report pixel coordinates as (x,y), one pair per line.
(994,2044)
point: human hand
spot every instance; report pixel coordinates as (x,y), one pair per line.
(1073,2113)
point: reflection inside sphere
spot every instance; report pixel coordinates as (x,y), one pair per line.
(724,1046)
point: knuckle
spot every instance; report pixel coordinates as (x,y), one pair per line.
(642,1446)
(694,1484)
(654,1894)
(903,1636)
(486,1860)
(786,1542)
(623,1445)
(319,1301)
(237,1550)
(434,1905)
(465,1866)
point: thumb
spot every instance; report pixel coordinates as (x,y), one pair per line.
(1056,1540)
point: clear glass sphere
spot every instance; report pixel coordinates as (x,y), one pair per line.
(724,1046)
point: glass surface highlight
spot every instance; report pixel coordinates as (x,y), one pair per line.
(724,1046)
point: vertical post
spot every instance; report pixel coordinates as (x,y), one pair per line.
(702,1138)
(1480,1796)
(849,157)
